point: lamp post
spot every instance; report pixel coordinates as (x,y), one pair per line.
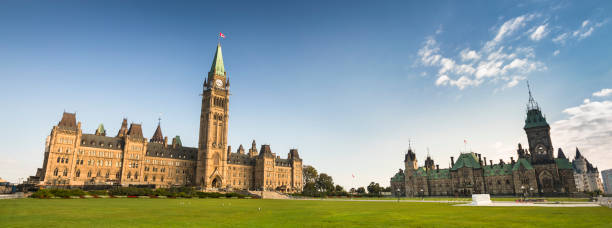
(523,192)
(530,190)
(398,194)
(422,195)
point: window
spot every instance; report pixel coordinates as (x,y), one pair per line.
(89,174)
(107,174)
(58,159)
(136,175)
(146,177)
(117,175)
(65,172)
(129,175)
(78,173)
(98,174)
(55,172)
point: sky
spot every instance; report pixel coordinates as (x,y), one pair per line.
(347,83)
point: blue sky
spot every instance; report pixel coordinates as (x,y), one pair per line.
(347,83)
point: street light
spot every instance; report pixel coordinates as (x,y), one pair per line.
(523,191)
(422,195)
(398,194)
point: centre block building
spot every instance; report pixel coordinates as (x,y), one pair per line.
(74,158)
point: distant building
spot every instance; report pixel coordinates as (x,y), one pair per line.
(585,175)
(536,171)
(75,158)
(606,175)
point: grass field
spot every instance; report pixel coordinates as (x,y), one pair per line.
(124,212)
(465,199)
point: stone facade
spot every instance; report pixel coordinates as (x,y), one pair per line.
(74,158)
(607,180)
(536,171)
(586,176)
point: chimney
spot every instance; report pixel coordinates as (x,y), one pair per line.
(437,167)
(165,141)
(512,160)
(485,161)
(491,162)
(501,161)
(479,159)
(452,160)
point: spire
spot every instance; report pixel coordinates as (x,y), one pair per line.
(217,64)
(157,136)
(578,155)
(532,104)
(560,154)
(124,128)
(100,130)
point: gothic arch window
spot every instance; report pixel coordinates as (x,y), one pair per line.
(146,178)
(129,175)
(107,174)
(55,172)
(98,173)
(89,173)
(136,175)
(78,173)
(65,173)
(58,159)
(117,175)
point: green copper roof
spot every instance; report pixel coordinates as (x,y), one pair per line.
(497,170)
(398,177)
(522,162)
(535,119)
(563,163)
(421,172)
(469,160)
(178,141)
(439,174)
(100,129)
(217,64)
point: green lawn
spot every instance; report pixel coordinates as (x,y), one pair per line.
(462,199)
(123,212)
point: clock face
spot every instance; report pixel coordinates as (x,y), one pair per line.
(219,83)
(540,149)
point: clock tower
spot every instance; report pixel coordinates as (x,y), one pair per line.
(212,157)
(538,134)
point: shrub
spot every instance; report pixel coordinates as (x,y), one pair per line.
(62,193)
(98,192)
(42,194)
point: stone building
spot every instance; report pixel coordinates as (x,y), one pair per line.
(74,158)
(586,176)
(607,180)
(536,171)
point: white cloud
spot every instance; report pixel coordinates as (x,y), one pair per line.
(509,27)
(561,38)
(603,93)
(442,80)
(588,127)
(493,62)
(467,55)
(539,33)
(585,30)
(556,52)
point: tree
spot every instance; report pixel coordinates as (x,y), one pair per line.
(309,174)
(339,188)
(309,189)
(324,183)
(361,190)
(387,189)
(353,190)
(374,188)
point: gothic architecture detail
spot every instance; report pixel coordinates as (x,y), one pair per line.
(586,176)
(536,171)
(74,158)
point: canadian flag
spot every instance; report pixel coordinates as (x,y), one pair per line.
(221,35)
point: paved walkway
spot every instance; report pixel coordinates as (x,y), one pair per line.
(515,204)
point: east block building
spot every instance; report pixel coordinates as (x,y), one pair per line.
(536,171)
(74,158)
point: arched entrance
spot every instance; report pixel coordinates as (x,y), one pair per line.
(216,183)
